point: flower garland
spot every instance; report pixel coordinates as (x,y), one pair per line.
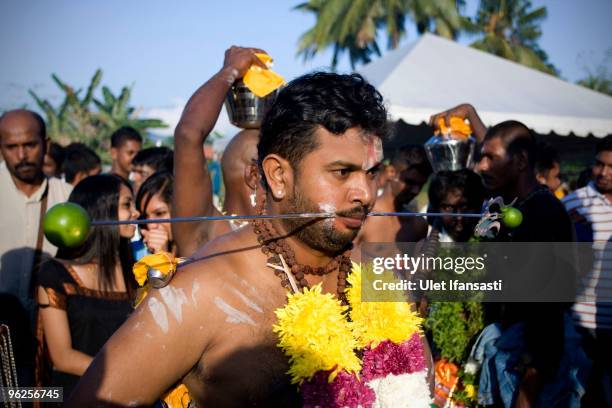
(367,354)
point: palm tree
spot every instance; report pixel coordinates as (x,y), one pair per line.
(352,25)
(74,120)
(511,29)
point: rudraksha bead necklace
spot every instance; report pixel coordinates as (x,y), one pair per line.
(273,245)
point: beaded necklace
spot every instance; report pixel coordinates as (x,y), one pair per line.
(278,251)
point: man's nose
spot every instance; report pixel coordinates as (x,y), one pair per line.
(21,153)
(606,171)
(362,190)
(482,165)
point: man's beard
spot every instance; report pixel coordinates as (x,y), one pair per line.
(22,174)
(319,234)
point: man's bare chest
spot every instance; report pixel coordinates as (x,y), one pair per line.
(243,368)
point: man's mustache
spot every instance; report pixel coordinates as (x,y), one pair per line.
(356,212)
(25,165)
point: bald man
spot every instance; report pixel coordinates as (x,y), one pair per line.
(26,194)
(193,188)
(239,169)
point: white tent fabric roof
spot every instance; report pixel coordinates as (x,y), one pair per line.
(434,74)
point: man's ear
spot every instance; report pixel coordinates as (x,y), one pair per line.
(113,153)
(46,145)
(251,175)
(522,160)
(278,174)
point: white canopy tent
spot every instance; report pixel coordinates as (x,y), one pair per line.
(434,74)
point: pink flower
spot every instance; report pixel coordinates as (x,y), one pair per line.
(345,391)
(390,358)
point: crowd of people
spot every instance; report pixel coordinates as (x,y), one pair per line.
(319,149)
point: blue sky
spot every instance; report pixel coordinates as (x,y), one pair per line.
(167,49)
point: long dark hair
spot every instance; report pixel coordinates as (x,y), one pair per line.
(159,183)
(99,196)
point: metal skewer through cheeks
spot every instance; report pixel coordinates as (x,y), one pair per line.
(277,216)
(67,224)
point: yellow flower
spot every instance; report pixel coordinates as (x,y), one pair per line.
(314,333)
(373,322)
(470,391)
(162,261)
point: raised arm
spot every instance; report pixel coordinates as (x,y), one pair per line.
(465,111)
(192,186)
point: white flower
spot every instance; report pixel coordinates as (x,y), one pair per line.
(404,390)
(471,367)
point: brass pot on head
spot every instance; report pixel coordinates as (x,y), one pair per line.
(244,108)
(449,154)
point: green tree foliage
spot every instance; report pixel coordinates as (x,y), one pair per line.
(600,79)
(74,120)
(453,326)
(597,83)
(507,28)
(511,29)
(351,25)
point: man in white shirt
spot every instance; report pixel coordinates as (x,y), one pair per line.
(26,195)
(591,210)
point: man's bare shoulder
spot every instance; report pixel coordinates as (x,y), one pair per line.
(230,274)
(223,256)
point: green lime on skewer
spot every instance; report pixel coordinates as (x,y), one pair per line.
(511,217)
(66,225)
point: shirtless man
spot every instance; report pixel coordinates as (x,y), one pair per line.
(211,328)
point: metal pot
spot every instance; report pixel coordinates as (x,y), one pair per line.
(245,110)
(448,154)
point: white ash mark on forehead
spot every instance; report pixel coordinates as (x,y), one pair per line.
(233,315)
(373,153)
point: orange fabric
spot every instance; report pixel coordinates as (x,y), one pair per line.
(458,127)
(56,299)
(262,81)
(446,381)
